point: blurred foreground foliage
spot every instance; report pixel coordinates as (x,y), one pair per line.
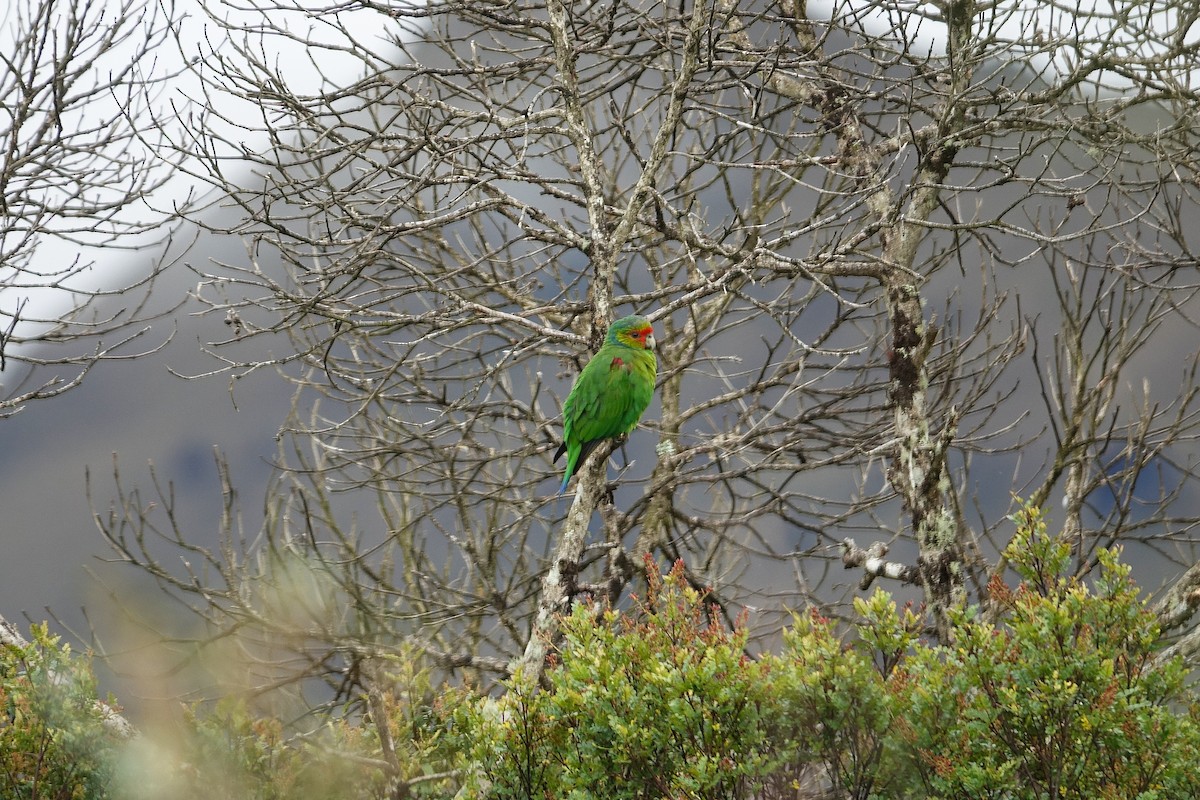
(1051,690)
(53,738)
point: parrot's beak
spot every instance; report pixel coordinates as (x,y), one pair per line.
(650,343)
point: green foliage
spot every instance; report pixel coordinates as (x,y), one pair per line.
(55,744)
(659,702)
(838,702)
(1050,692)
(1059,701)
(53,741)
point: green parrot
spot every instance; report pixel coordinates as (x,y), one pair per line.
(611,393)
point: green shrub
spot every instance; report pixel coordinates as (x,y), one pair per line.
(53,738)
(658,702)
(837,701)
(1051,692)
(1060,699)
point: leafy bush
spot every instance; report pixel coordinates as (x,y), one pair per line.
(1061,700)
(54,742)
(837,702)
(1050,692)
(58,743)
(660,702)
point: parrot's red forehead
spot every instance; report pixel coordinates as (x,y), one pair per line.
(638,333)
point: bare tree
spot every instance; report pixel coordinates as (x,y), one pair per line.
(80,156)
(903,266)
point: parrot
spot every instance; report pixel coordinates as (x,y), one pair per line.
(611,393)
